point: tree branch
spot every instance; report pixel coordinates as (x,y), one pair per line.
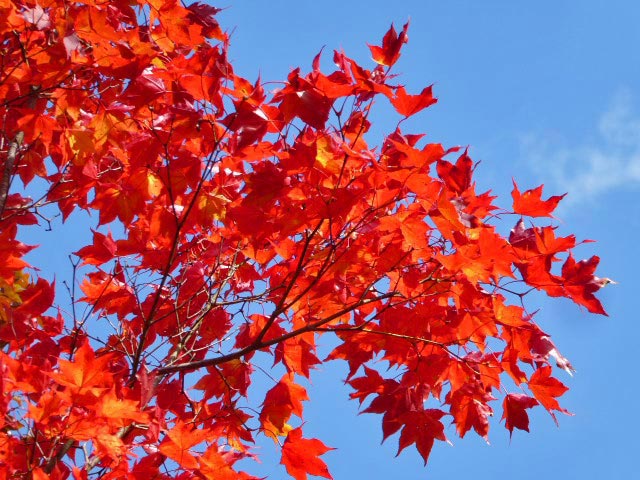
(190,366)
(8,169)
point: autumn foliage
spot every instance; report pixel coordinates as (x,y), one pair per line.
(232,226)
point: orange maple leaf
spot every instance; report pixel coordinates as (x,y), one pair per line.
(530,203)
(300,456)
(389,52)
(179,440)
(282,401)
(86,374)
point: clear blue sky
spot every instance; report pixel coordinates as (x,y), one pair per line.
(546,92)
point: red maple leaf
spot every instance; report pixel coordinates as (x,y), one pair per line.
(101,251)
(422,428)
(301,99)
(408,105)
(514,411)
(389,52)
(580,282)
(530,203)
(300,456)
(470,409)
(546,389)
(457,177)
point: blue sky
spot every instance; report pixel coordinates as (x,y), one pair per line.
(546,92)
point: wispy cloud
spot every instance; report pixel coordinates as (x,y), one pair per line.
(610,161)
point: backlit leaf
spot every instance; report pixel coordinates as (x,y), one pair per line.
(300,456)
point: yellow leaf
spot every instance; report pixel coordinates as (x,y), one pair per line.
(81,143)
(327,156)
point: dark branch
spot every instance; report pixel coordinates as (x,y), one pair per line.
(8,169)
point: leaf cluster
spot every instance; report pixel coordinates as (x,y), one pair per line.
(234,225)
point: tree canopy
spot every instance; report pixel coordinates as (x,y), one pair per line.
(234,225)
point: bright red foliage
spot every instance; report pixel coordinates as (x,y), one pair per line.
(234,225)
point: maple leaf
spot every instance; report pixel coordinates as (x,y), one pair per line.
(36,298)
(514,411)
(179,440)
(297,355)
(101,251)
(457,177)
(577,280)
(205,15)
(530,203)
(546,389)
(86,374)
(301,99)
(217,465)
(408,105)
(511,315)
(145,88)
(40,474)
(37,16)
(249,332)
(250,123)
(470,409)
(580,282)
(107,444)
(280,402)
(300,456)
(119,410)
(108,292)
(547,243)
(146,384)
(228,379)
(542,346)
(72,43)
(422,428)
(372,382)
(392,42)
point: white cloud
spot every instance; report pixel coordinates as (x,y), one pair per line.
(587,171)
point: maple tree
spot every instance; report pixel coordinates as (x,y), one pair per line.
(236,226)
